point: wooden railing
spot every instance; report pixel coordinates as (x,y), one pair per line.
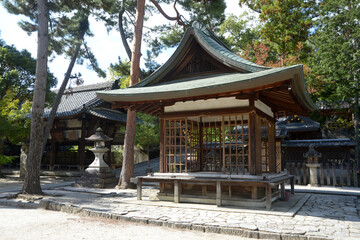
(328,174)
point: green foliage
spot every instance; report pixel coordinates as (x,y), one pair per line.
(148,131)
(6,159)
(67,19)
(209,13)
(238,33)
(286,23)
(120,71)
(335,62)
(17,73)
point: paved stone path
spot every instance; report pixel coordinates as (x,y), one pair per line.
(313,216)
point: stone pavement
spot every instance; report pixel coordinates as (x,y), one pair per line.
(306,216)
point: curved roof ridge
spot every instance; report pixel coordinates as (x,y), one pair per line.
(211,44)
(219,49)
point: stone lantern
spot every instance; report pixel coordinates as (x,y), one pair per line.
(312,163)
(98,174)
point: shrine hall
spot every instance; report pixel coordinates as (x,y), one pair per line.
(217,118)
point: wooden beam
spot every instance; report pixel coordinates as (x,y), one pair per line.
(208,112)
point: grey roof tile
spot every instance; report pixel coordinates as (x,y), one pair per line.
(83,98)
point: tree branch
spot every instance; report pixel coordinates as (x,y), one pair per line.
(177,18)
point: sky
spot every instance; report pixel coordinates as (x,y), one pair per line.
(107,47)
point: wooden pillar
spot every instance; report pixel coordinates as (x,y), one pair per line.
(176,191)
(81,147)
(252,143)
(258,160)
(218,194)
(53,150)
(282,191)
(272,148)
(292,185)
(268,196)
(162,145)
(201,144)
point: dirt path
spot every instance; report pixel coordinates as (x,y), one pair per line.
(41,224)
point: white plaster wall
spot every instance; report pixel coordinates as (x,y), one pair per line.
(207,104)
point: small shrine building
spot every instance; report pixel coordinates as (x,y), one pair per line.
(217,115)
(79,113)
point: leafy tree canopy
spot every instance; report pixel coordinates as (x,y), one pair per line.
(17,73)
(335,62)
(66,19)
(286,23)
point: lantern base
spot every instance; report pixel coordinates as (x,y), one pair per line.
(97,178)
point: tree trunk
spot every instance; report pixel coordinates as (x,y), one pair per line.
(123,37)
(356,128)
(32,176)
(57,101)
(127,170)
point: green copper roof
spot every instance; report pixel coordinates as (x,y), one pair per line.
(213,85)
(245,76)
(212,45)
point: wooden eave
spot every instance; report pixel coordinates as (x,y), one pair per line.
(277,96)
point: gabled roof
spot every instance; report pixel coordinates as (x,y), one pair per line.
(228,75)
(212,45)
(288,124)
(83,99)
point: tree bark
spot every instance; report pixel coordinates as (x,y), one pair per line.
(123,37)
(32,176)
(356,126)
(57,101)
(127,170)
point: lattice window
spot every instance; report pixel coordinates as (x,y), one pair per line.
(236,144)
(181,145)
(265,133)
(208,143)
(212,143)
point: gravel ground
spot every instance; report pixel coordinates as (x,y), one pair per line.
(41,224)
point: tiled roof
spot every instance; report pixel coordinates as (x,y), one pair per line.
(108,114)
(304,124)
(319,143)
(81,99)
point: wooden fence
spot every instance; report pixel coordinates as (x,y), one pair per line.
(328,174)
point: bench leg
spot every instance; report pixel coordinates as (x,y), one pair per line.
(139,189)
(254,192)
(282,191)
(204,190)
(218,194)
(176,192)
(268,196)
(292,185)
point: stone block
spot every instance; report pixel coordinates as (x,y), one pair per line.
(232,231)
(265,235)
(199,228)
(212,229)
(293,237)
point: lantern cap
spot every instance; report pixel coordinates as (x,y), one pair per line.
(312,152)
(98,136)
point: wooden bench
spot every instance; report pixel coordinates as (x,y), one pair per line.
(250,181)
